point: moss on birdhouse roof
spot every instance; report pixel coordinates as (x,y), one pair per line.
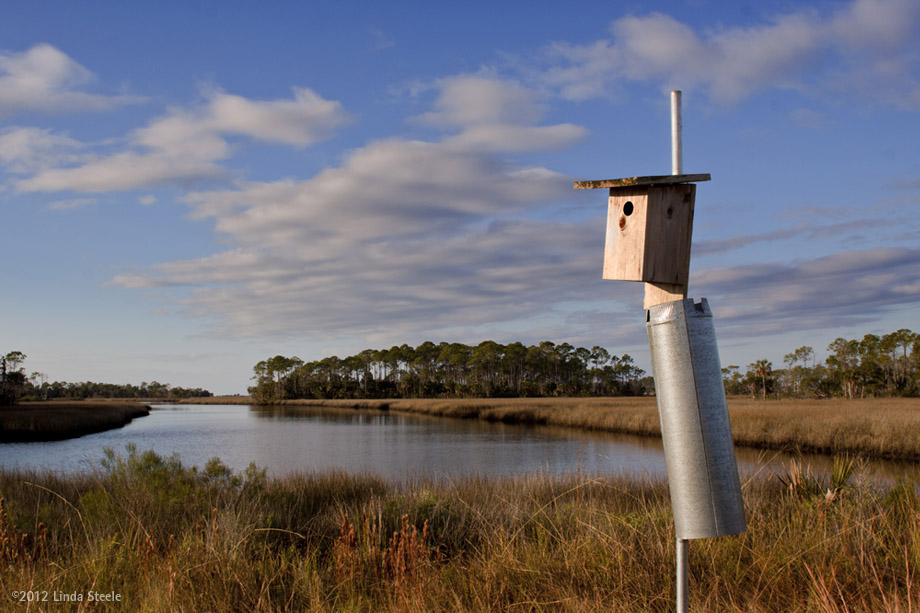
(642,181)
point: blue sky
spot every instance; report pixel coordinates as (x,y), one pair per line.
(189,188)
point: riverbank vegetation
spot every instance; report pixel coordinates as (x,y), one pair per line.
(874,366)
(52,421)
(89,390)
(15,385)
(165,538)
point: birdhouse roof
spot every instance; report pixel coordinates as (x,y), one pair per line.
(642,181)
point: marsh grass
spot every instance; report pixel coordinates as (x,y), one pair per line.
(57,420)
(172,538)
(875,427)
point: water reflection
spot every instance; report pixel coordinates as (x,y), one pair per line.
(393,445)
(398,444)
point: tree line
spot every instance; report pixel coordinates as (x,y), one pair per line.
(887,365)
(874,366)
(452,370)
(16,385)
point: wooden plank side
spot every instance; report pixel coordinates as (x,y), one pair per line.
(624,252)
(657,293)
(670,226)
(639,181)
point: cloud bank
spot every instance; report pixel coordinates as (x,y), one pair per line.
(407,234)
(865,46)
(841,289)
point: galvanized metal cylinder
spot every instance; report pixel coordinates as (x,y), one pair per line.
(695,428)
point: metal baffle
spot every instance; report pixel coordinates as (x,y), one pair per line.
(695,428)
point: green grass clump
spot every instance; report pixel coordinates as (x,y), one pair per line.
(167,537)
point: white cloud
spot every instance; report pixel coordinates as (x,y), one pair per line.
(24,150)
(304,120)
(185,145)
(868,47)
(880,26)
(123,171)
(408,234)
(496,115)
(582,72)
(466,100)
(384,191)
(46,79)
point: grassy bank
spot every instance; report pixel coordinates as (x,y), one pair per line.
(51,421)
(876,427)
(166,538)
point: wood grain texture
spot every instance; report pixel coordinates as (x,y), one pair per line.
(624,251)
(658,293)
(648,234)
(669,225)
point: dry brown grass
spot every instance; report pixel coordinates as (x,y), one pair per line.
(56,420)
(875,427)
(170,539)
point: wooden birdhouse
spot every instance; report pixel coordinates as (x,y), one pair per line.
(649,227)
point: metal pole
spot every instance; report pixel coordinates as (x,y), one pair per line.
(683,547)
(677,167)
(677,142)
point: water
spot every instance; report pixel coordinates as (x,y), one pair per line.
(392,445)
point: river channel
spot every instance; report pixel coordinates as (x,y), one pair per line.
(392,445)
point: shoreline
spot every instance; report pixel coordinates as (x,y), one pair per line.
(875,428)
(33,422)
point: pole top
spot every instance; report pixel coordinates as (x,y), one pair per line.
(642,181)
